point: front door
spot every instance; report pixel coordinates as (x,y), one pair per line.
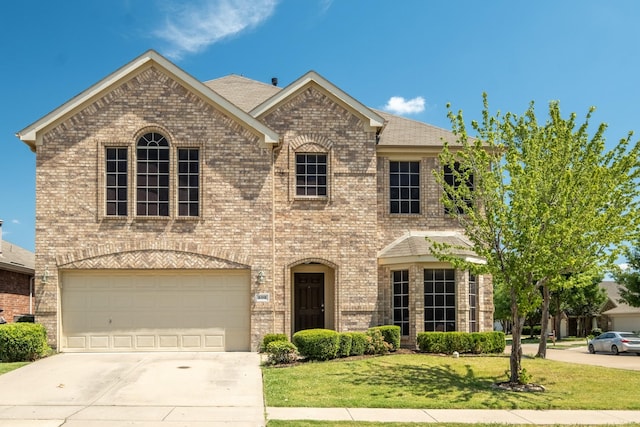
(309,300)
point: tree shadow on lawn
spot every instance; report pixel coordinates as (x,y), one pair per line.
(432,384)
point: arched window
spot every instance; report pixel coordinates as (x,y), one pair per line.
(152,175)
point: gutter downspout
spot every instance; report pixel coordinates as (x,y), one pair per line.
(273,238)
(32,281)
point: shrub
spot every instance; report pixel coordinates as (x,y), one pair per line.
(317,344)
(268,338)
(391,335)
(345,342)
(22,342)
(376,343)
(359,343)
(281,352)
(596,331)
(462,342)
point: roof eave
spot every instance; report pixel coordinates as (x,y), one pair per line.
(31,134)
(374,119)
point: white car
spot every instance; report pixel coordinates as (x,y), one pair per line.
(615,342)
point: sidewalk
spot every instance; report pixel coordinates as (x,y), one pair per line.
(516,416)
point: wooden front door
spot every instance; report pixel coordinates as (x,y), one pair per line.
(309,300)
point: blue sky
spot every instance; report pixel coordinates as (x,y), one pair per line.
(411,57)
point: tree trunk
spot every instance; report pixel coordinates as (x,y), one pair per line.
(516,346)
(544,322)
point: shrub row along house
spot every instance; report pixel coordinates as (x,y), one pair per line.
(179,215)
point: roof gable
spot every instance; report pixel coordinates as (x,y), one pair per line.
(375,120)
(32,134)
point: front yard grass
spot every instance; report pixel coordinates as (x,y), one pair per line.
(6,367)
(428,381)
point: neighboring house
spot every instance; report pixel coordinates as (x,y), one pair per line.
(179,215)
(616,315)
(16,280)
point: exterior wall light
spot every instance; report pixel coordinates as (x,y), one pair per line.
(261,276)
(45,275)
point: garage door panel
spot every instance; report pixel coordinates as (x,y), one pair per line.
(147,311)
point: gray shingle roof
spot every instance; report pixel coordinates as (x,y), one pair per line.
(613,292)
(415,243)
(399,131)
(243,92)
(15,258)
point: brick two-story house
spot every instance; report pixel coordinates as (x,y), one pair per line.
(179,215)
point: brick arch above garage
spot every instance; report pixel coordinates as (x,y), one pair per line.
(152,255)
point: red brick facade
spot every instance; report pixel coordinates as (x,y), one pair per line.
(14,294)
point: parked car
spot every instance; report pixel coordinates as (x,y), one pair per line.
(616,342)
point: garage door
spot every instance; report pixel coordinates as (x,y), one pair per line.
(155,311)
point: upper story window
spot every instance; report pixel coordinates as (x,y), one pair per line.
(404,187)
(188,182)
(311,174)
(152,175)
(116,181)
(452,177)
(161,188)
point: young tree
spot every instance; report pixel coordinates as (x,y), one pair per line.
(629,279)
(547,201)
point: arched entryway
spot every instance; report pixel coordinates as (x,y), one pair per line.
(313,298)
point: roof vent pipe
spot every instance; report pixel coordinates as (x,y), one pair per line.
(274,81)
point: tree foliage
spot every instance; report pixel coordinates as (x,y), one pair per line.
(547,201)
(629,279)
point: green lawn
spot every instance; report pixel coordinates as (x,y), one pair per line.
(6,367)
(426,381)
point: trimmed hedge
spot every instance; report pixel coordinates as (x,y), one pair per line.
(345,342)
(391,335)
(462,342)
(359,342)
(269,338)
(23,342)
(317,344)
(281,352)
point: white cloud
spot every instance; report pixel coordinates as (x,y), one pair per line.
(191,28)
(15,221)
(399,105)
(325,5)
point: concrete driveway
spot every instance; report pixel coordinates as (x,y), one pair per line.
(149,389)
(581,356)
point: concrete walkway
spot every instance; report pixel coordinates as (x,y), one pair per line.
(519,416)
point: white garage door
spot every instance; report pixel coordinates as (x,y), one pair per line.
(626,323)
(155,311)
